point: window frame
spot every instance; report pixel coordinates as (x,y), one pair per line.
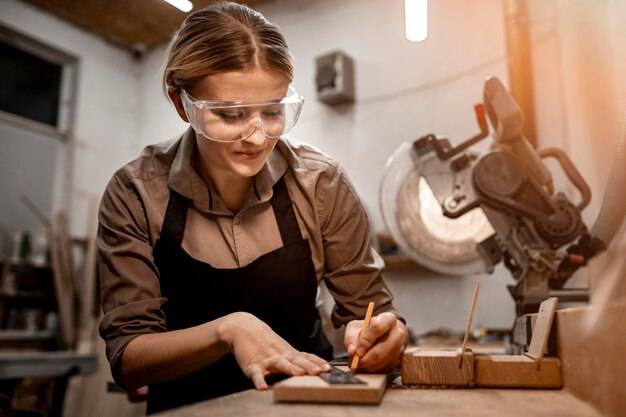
(68,88)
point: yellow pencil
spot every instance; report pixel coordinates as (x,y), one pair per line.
(368,318)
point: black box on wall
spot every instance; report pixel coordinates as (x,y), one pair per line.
(334,78)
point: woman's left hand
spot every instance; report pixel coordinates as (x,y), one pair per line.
(381,346)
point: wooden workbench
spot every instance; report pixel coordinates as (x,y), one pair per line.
(399,402)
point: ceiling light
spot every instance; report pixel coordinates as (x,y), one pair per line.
(182,5)
(416,20)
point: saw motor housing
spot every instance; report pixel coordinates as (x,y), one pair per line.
(533,224)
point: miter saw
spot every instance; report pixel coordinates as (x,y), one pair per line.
(498,205)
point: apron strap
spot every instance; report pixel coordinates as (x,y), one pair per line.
(284,213)
(175,218)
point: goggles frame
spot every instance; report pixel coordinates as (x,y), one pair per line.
(294,98)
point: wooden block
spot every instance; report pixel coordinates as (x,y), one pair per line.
(437,367)
(592,342)
(517,371)
(542,327)
(308,388)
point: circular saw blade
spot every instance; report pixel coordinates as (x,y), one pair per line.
(416,222)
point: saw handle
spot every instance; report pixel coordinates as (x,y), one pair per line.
(571,172)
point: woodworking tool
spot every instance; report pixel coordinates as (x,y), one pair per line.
(337,376)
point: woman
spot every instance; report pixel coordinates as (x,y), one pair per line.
(212,245)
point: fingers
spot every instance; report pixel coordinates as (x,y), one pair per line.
(261,352)
(381,345)
(351,336)
(255,373)
(293,363)
(379,326)
(385,355)
(282,365)
(312,363)
(297,363)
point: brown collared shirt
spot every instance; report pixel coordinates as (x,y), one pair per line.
(329,213)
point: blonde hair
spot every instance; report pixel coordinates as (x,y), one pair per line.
(224,37)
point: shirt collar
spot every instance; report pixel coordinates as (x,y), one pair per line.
(185,180)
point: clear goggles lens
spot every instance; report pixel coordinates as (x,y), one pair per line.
(227,121)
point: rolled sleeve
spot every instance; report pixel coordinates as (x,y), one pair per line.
(352,266)
(129,281)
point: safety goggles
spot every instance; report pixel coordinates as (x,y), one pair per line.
(230,121)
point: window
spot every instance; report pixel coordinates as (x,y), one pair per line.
(37,84)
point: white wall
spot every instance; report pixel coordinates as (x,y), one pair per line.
(577,47)
(29,168)
(105,120)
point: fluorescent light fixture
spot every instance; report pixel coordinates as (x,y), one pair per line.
(182,5)
(416,20)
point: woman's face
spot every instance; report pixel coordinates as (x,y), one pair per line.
(242,158)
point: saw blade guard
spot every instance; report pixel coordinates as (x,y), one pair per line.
(415,220)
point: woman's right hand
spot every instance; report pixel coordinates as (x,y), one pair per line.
(261,352)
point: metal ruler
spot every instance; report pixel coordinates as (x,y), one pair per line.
(338,376)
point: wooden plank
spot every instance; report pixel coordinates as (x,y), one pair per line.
(309,388)
(64,293)
(84,391)
(592,341)
(541,331)
(437,367)
(88,319)
(517,371)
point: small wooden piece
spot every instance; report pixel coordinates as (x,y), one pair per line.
(469,323)
(437,367)
(541,331)
(309,388)
(517,371)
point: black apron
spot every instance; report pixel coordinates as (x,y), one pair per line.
(279,288)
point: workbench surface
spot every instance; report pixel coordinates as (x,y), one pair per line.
(398,402)
(17,365)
